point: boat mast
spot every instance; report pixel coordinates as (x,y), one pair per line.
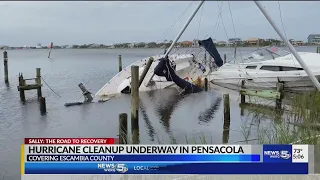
(184,27)
(180,33)
(293,51)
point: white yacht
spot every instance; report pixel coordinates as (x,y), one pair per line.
(186,67)
(265,67)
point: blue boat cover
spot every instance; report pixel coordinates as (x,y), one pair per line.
(164,69)
(212,50)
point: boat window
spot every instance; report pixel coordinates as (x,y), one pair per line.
(251,67)
(270,68)
(262,54)
(285,68)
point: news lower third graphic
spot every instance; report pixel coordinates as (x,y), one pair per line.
(103,156)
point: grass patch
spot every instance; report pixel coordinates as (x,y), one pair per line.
(284,126)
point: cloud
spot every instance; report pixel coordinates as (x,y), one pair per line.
(111,21)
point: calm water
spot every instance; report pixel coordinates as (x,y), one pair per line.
(164,116)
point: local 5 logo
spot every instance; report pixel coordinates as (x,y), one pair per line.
(122,168)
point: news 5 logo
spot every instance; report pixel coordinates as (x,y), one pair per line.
(122,168)
(284,154)
(107,167)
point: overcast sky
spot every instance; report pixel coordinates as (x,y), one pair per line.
(29,23)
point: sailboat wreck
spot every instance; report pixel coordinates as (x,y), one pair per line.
(180,70)
(261,69)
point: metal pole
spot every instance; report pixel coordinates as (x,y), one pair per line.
(180,33)
(293,51)
(184,27)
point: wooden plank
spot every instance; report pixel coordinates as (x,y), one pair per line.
(29,87)
(30,79)
(261,93)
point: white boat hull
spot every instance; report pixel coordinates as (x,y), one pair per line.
(184,68)
(265,82)
(231,75)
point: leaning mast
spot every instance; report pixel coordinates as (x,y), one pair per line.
(292,49)
(180,33)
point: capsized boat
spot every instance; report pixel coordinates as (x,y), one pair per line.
(185,65)
(177,70)
(263,68)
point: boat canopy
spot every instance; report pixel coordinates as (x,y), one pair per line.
(212,50)
(164,69)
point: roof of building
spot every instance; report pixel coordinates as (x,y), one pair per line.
(187,42)
(253,39)
(313,35)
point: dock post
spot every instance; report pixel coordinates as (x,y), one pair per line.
(21,90)
(226,119)
(38,82)
(280,90)
(38,76)
(225,58)
(144,73)
(318,49)
(243,97)
(135,104)
(42,102)
(120,63)
(5,62)
(206,84)
(123,128)
(235,50)
(86,93)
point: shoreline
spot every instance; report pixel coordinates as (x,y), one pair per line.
(146,48)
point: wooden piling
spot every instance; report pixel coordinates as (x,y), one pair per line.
(5,62)
(42,102)
(38,75)
(226,121)
(243,97)
(225,58)
(235,50)
(135,103)
(206,84)
(38,82)
(241,111)
(120,63)
(21,83)
(280,90)
(86,93)
(144,73)
(123,128)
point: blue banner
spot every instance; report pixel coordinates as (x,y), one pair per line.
(172,158)
(277,153)
(166,168)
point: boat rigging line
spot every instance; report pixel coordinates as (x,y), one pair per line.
(285,33)
(50,87)
(179,35)
(175,22)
